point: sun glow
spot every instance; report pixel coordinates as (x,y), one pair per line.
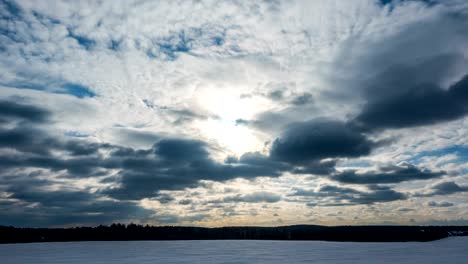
(227,106)
(236,138)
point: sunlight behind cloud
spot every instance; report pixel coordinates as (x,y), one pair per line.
(228,105)
(237,139)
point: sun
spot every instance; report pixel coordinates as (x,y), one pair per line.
(235,138)
(227,106)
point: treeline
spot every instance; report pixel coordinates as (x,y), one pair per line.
(120,232)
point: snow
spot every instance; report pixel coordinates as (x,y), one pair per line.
(451,250)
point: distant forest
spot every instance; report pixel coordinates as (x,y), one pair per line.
(121,232)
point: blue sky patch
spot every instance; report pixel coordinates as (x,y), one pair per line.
(429,2)
(74,89)
(84,41)
(114,45)
(75,134)
(184,41)
(175,44)
(9,10)
(78,90)
(459,150)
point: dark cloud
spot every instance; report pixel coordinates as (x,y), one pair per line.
(173,164)
(76,167)
(323,167)
(386,2)
(320,139)
(386,174)
(164,198)
(439,204)
(169,164)
(20,132)
(168,218)
(11,110)
(380,194)
(443,188)
(168,171)
(406,210)
(325,191)
(24,138)
(418,105)
(71,213)
(331,195)
(82,148)
(37,202)
(185,201)
(258,160)
(181,150)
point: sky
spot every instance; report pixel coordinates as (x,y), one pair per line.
(233,113)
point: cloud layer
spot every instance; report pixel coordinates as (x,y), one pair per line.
(233,113)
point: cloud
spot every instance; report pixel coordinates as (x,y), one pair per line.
(168,165)
(181,150)
(439,204)
(256,197)
(323,167)
(320,139)
(180,164)
(385,2)
(443,188)
(423,104)
(171,218)
(11,110)
(406,210)
(108,108)
(185,201)
(34,203)
(164,198)
(380,194)
(332,195)
(302,99)
(174,164)
(386,174)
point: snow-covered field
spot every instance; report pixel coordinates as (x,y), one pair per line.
(451,250)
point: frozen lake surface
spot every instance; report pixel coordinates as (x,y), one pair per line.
(451,250)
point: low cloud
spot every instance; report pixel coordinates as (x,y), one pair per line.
(423,104)
(443,188)
(386,174)
(256,197)
(320,139)
(439,204)
(332,195)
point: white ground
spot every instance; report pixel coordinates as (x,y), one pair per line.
(451,250)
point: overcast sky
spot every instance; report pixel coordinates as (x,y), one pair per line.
(215,113)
